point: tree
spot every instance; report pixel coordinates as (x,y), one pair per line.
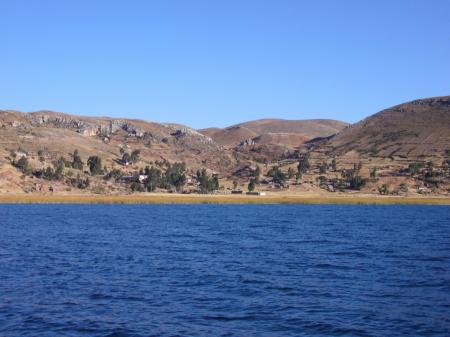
(203,180)
(354,181)
(77,163)
(153,178)
(48,173)
(22,164)
(373,173)
(80,183)
(126,158)
(357,167)
(277,175)
(415,168)
(303,165)
(95,165)
(215,182)
(251,185)
(322,168)
(298,176)
(290,173)
(334,165)
(59,168)
(175,176)
(206,183)
(257,172)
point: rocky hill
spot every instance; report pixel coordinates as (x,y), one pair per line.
(54,134)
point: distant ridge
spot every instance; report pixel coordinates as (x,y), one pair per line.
(275,131)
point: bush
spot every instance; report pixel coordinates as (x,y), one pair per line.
(79,182)
(257,172)
(115,174)
(322,168)
(135,156)
(22,164)
(354,181)
(77,163)
(277,175)
(415,168)
(384,189)
(403,187)
(136,187)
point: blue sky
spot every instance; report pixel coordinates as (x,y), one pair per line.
(217,63)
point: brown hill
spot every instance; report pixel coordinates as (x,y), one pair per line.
(275,131)
(310,128)
(420,128)
(57,134)
(390,151)
(290,140)
(231,136)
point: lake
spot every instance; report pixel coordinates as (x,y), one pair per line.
(224,270)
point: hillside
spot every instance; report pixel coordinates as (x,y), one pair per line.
(401,150)
(231,136)
(46,136)
(309,127)
(412,130)
(275,131)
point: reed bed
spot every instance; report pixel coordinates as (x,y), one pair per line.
(220,199)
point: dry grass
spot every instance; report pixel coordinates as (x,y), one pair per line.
(222,199)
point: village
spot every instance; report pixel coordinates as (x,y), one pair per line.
(295,175)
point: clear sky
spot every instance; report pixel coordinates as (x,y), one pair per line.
(217,63)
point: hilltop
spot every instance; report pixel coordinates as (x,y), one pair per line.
(417,129)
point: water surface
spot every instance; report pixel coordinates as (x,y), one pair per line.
(224,270)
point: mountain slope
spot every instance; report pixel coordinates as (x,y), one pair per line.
(309,127)
(275,131)
(400,149)
(420,128)
(230,136)
(58,134)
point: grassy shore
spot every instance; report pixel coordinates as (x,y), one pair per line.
(223,199)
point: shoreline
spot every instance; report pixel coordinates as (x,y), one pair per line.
(222,199)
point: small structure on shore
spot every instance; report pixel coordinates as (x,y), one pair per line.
(256,193)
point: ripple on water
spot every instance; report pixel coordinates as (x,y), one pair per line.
(210,270)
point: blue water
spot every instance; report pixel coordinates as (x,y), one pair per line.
(214,270)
